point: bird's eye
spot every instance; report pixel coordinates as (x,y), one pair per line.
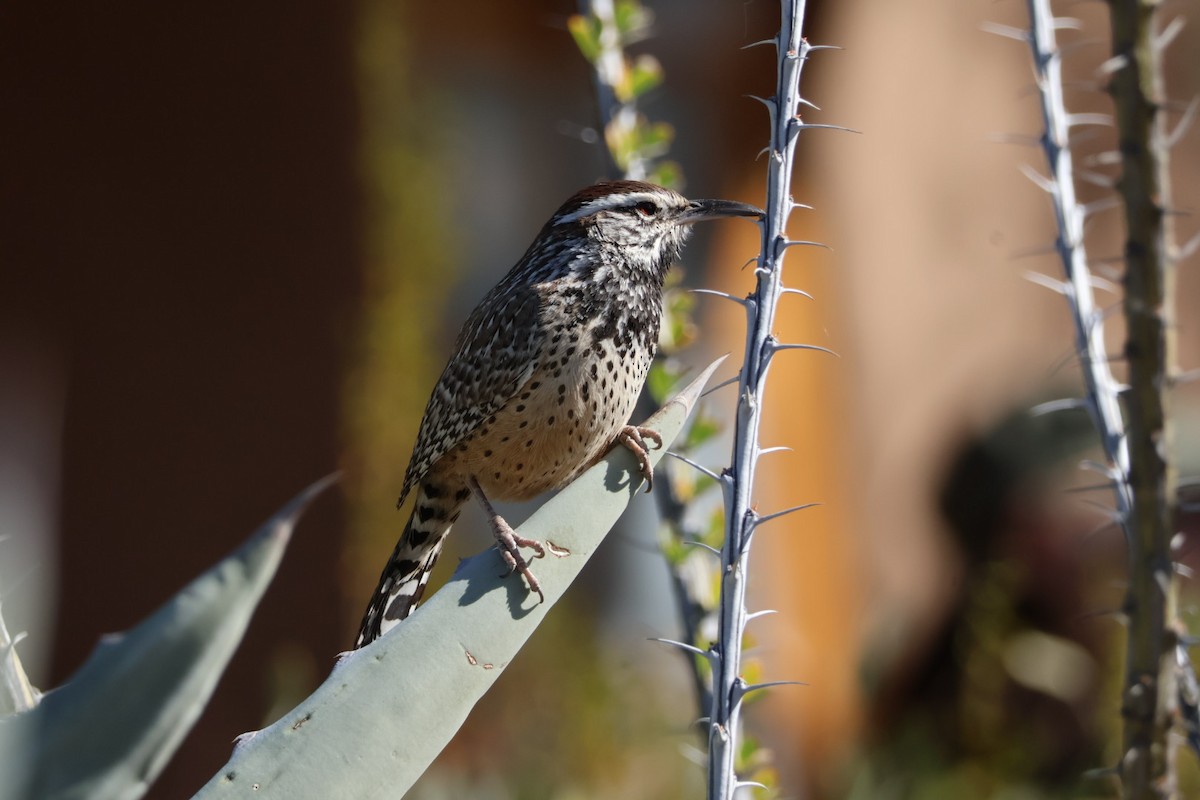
(646,209)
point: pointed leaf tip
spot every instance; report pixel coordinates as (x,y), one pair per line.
(140,691)
(285,519)
(691,393)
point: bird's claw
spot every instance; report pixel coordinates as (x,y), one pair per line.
(509,543)
(634,438)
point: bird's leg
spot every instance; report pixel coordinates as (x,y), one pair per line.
(509,543)
(634,437)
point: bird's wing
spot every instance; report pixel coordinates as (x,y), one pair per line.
(494,357)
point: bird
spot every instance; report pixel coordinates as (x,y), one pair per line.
(545,373)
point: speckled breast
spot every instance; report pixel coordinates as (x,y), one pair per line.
(563,420)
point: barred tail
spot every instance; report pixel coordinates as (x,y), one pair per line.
(407,572)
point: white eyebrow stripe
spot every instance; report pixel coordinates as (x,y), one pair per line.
(607,202)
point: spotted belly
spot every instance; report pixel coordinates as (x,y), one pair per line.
(561,421)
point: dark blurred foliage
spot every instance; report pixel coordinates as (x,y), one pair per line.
(1005,693)
(1015,693)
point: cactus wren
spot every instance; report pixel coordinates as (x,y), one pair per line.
(544,376)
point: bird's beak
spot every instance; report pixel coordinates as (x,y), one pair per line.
(715,209)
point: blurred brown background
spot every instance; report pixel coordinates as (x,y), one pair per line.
(238,240)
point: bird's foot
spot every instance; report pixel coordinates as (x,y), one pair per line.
(634,437)
(509,543)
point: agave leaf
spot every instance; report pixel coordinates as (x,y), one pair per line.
(388,709)
(16,692)
(109,731)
